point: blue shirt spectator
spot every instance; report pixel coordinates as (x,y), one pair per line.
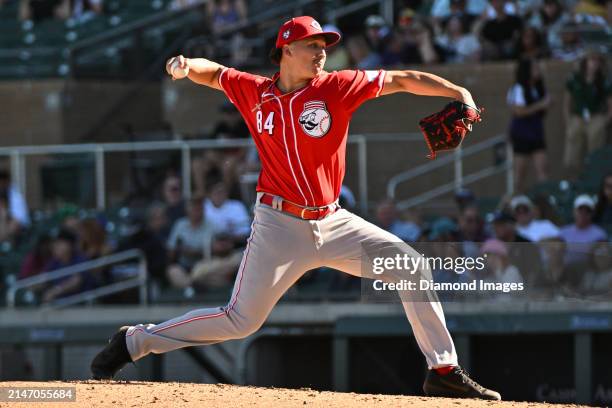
(583,234)
(388,219)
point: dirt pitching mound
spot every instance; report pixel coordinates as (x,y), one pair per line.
(135,394)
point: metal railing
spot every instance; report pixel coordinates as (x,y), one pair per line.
(460,180)
(140,280)
(18,155)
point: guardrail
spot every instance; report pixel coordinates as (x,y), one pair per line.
(139,281)
(18,154)
(460,180)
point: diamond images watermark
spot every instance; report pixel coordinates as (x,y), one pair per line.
(405,264)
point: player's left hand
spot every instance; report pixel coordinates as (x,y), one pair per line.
(446,129)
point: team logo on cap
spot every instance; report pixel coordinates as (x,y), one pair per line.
(315,119)
(316,25)
(286,34)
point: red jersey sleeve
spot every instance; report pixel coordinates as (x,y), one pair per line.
(356,87)
(240,87)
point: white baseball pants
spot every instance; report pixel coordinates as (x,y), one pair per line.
(279,251)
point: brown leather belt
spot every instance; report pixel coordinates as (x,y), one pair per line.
(305,213)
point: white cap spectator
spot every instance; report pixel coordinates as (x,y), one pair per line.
(584,200)
(520,200)
(375,20)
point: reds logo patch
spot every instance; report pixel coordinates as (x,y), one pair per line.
(286,34)
(315,119)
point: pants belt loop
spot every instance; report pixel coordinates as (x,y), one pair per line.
(277,203)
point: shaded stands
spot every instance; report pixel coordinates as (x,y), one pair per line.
(107,45)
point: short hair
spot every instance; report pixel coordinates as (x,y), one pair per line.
(275,55)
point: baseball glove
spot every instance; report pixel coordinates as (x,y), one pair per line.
(446,129)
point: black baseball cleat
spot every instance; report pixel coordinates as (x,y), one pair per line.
(112,358)
(456,384)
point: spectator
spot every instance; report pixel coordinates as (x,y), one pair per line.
(224,16)
(499,35)
(603,209)
(361,55)
(550,19)
(92,245)
(471,231)
(387,218)
(190,241)
(587,108)
(521,251)
(227,217)
(531,44)
(173,198)
(545,207)
(533,229)
(571,47)
(151,237)
(419,45)
(582,234)
(347,198)
(68,217)
(84,10)
(376,33)
(444,8)
(220,269)
(467,16)
(36,260)
(222,164)
(393,53)
(464,198)
(40,10)
(553,253)
(92,239)
(17,207)
(338,57)
(598,278)
(443,230)
(529,102)
(64,253)
(498,263)
(459,44)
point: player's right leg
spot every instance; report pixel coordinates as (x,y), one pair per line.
(279,250)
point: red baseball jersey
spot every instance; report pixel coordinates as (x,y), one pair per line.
(301,135)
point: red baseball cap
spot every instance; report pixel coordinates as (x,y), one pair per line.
(302,27)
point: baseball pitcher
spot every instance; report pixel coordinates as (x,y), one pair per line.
(299,120)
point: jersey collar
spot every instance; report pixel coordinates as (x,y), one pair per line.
(277,92)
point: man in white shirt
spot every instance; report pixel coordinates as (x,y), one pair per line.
(227,217)
(190,241)
(527,225)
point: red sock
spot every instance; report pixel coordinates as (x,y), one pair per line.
(444,370)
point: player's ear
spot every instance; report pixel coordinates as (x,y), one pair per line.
(287,50)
